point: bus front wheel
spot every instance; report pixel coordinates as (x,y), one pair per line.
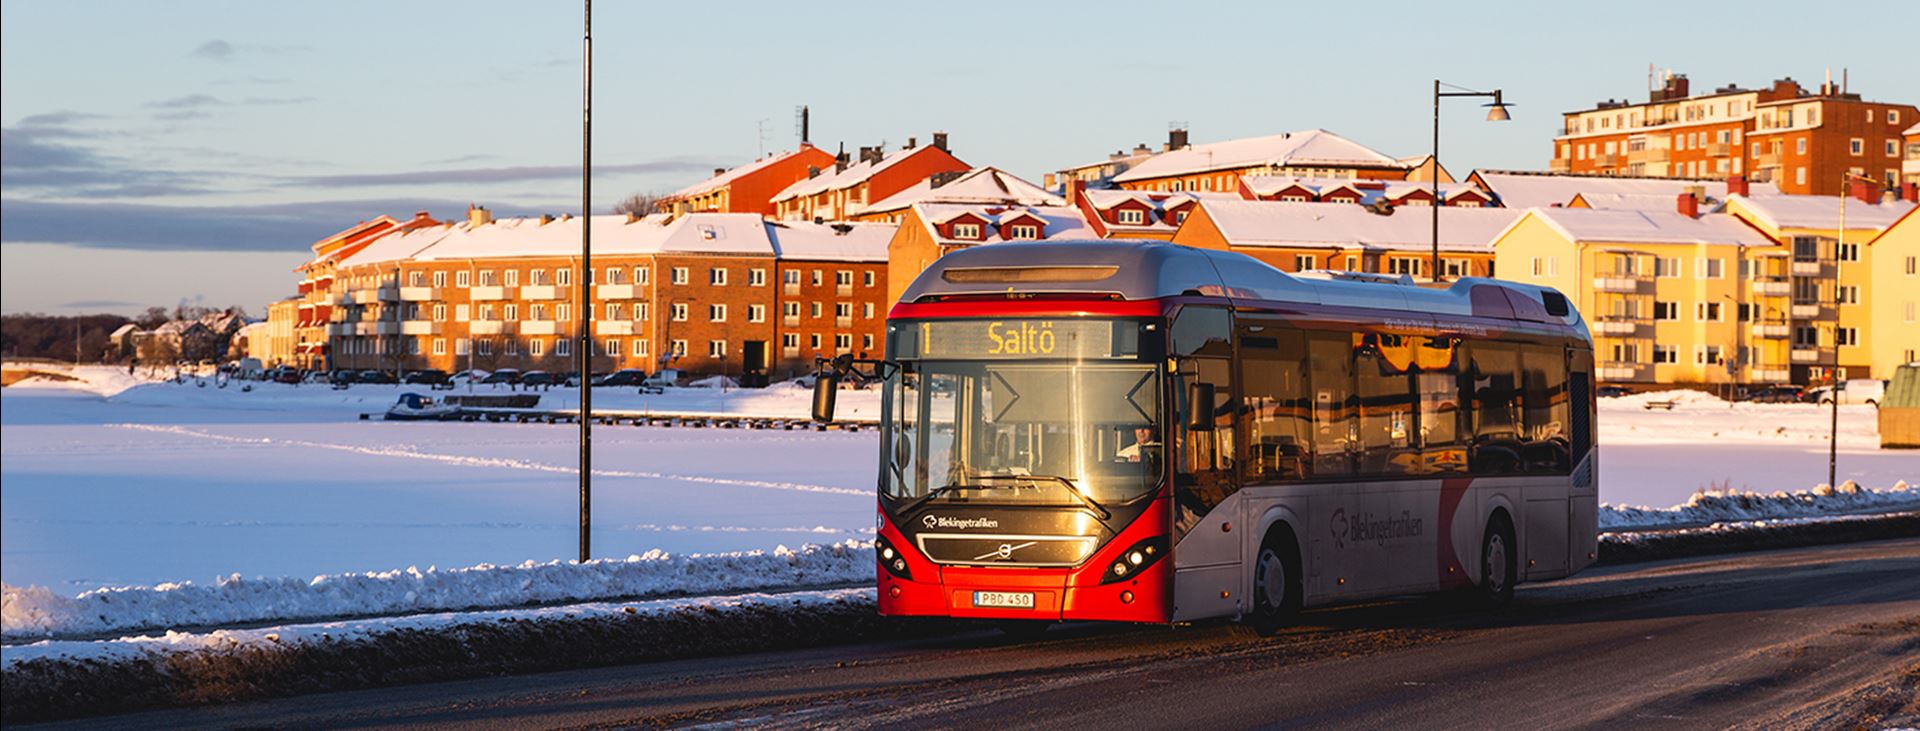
(1499,561)
(1276,582)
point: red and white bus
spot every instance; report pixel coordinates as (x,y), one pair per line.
(1146,432)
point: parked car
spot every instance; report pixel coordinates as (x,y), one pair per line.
(249,369)
(666,377)
(1611,391)
(431,377)
(627,377)
(1855,391)
(285,374)
(340,378)
(372,376)
(504,375)
(530,379)
(1785,394)
(463,375)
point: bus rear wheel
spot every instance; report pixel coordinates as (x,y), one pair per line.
(1499,562)
(1276,583)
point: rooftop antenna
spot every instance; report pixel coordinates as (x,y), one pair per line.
(800,123)
(760,136)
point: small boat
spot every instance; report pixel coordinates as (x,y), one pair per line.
(415,407)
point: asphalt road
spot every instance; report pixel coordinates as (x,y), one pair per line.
(1823,637)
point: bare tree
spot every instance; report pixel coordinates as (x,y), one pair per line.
(639,203)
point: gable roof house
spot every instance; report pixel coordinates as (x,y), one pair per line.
(850,186)
(1215,166)
(749,188)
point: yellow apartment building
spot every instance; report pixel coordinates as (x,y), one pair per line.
(1672,298)
(1826,265)
(1894,332)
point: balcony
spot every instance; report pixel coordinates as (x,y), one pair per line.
(420,294)
(1619,371)
(613,327)
(1560,165)
(1806,355)
(1771,330)
(1618,283)
(1616,327)
(843,290)
(614,291)
(1607,161)
(485,327)
(482,294)
(790,320)
(423,327)
(370,296)
(1804,311)
(843,322)
(1771,375)
(1652,154)
(379,327)
(537,327)
(1809,268)
(790,288)
(340,328)
(789,351)
(1766,288)
(539,292)
(1767,160)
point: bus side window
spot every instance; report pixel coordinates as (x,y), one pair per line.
(1546,414)
(1330,366)
(1437,387)
(1496,443)
(1273,384)
(1580,405)
(1386,405)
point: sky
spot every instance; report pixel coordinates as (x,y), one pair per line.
(159,153)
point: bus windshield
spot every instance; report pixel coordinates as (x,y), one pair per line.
(1022,432)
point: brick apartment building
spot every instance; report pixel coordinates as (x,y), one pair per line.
(701,292)
(1802,142)
(1216,166)
(844,190)
(749,188)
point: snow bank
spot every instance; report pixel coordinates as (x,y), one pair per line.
(1717,506)
(104,381)
(35,612)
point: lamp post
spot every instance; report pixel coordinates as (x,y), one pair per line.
(1496,112)
(582,285)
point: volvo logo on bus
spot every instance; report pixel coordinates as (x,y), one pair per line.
(944,521)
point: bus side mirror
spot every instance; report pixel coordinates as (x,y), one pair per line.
(1200,407)
(826,387)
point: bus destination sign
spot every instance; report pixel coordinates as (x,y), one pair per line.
(1017,339)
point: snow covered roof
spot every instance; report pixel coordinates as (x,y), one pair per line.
(722,180)
(1589,225)
(1372,190)
(121,331)
(1277,223)
(398,246)
(1061,222)
(1314,147)
(1821,211)
(855,174)
(1521,189)
(808,241)
(982,185)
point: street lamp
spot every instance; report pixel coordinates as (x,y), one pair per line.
(1496,112)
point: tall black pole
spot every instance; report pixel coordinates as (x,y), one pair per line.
(584,350)
(1435,174)
(1833,376)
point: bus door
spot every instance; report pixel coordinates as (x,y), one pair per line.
(1584,491)
(1206,555)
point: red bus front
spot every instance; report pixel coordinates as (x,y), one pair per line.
(1022,473)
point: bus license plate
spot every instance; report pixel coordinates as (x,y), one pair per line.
(1007,599)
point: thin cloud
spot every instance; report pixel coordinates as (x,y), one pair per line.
(190,101)
(216,49)
(270,101)
(280,227)
(220,50)
(181,115)
(83,304)
(497,174)
(57,118)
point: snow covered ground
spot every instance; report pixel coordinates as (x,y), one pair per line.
(122,483)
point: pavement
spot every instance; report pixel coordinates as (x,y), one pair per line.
(1824,637)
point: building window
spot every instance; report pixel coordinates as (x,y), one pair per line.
(1893,149)
(868,279)
(842,342)
(678,349)
(1849,252)
(460,346)
(1913,265)
(439,346)
(716,313)
(439,313)
(1353,264)
(460,313)
(966,231)
(612,347)
(1706,311)
(1410,267)
(717,276)
(814,310)
(866,310)
(813,341)
(1856,146)
(843,309)
(1706,355)
(678,313)
(679,275)
(563,276)
(756,313)
(486,313)
(513,313)
(536,347)
(816,277)
(717,348)
(461,279)
(613,311)
(866,341)
(562,347)
(1800,146)
(843,278)
(1663,354)
(639,347)
(1302,262)
(790,341)
(1848,335)
(1545,266)
(792,276)
(615,274)
(1131,216)
(642,275)
(756,277)
(1849,294)
(1026,231)
(1711,268)
(486,278)
(790,309)
(1666,310)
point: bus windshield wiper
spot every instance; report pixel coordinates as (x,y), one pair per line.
(1064,482)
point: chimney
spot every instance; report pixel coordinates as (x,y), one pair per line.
(1688,205)
(812,172)
(420,216)
(1073,189)
(479,215)
(1176,138)
(680,208)
(717,172)
(912,142)
(545,219)
(1142,149)
(1699,192)
(1890,195)
(805,123)
(943,178)
(1737,185)
(940,141)
(840,159)
(1862,189)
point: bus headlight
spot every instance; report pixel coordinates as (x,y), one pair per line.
(890,559)
(1136,559)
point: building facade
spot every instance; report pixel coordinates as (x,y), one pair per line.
(1782,134)
(749,188)
(1217,166)
(1893,338)
(845,190)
